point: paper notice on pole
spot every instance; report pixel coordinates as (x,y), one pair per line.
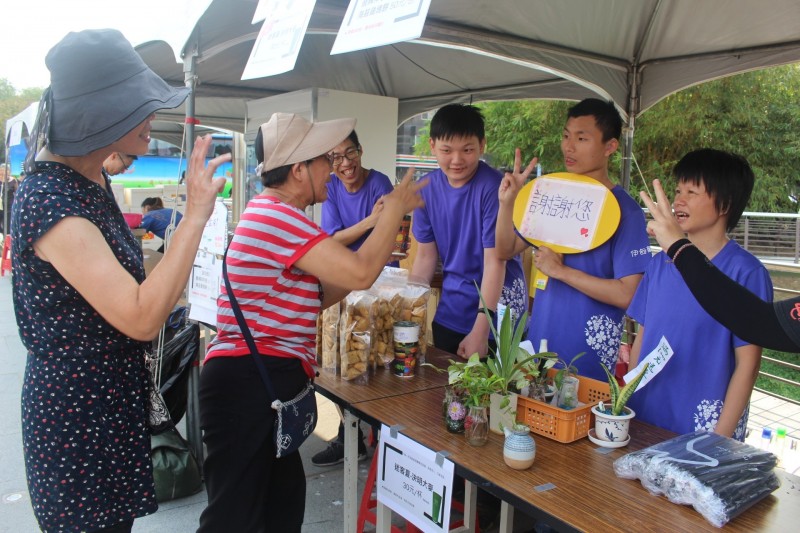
(204,282)
(278,43)
(371,23)
(414,481)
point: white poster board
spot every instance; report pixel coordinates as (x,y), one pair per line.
(371,23)
(414,482)
(278,43)
(204,282)
(563,212)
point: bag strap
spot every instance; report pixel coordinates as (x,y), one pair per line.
(248,337)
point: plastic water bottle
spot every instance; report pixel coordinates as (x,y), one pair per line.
(542,346)
(766,438)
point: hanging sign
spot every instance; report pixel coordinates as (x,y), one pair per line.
(278,43)
(371,23)
(414,481)
(204,282)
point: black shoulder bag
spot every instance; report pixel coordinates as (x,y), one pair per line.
(296,419)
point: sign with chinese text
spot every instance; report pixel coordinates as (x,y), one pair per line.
(371,23)
(566,212)
(204,282)
(414,482)
(658,359)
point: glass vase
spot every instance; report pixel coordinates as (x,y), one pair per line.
(476,426)
(454,411)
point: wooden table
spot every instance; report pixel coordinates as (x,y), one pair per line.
(382,384)
(587,495)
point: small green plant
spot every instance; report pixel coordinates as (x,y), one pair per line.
(619,397)
(567,369)
(473,378)
(511,364)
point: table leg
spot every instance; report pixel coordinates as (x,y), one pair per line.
(383,519)
(506,518)
(470,505)
(350,471)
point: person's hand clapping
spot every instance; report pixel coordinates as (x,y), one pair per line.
(201,185)
(513,181)
(664,227)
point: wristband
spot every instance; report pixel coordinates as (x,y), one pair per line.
(492,314)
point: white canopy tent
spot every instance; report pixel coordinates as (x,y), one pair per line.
(634,52)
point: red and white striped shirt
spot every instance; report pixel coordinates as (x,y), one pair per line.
(280,302)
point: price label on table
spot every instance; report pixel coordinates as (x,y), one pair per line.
(414,482)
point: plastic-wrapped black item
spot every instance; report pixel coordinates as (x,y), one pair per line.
(176,361)
(718,476)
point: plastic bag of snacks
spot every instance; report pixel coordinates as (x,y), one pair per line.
(387,290)
(329,338)
(413,307)
(355,336)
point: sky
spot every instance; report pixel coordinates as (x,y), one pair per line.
(31,27)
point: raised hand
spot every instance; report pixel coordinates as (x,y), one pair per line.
(663,226)
(513,181)
(406,193)
(201,185)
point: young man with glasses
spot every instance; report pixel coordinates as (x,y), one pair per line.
(117,163)
(351,211)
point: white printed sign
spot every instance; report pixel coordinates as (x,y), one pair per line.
(204,283)
(371,23)
(658,359)
(278,43)
(413,483)
(563,212)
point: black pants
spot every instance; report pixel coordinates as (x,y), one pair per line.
(448,340)
(249,490)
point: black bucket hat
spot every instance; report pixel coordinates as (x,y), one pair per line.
(100,89)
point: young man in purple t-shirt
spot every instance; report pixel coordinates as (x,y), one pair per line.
(457,225)
(582,307)
(349,213)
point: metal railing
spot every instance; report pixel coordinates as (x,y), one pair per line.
(769,235)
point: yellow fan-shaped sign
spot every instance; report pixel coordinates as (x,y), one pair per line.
(569,213)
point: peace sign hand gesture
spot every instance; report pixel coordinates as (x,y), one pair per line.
(513,181)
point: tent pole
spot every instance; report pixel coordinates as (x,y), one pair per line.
(193,432)
(627,131)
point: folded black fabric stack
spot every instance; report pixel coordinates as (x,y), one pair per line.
(718,476)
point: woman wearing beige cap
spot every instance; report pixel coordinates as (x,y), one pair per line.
(283,269)
(85,312)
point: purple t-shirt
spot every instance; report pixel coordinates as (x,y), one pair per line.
(343,209)
(688,393)
(573,322)
(461,221)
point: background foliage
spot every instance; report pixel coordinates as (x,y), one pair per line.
(756,114)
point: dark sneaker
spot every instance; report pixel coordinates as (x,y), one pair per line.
(334,454)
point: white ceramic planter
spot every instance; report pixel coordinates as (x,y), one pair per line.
(612,428)
(505,417)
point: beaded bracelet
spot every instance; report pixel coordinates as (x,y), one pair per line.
(679,250)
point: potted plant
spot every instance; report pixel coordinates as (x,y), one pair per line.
(612,419)
(566,384)
(475,383)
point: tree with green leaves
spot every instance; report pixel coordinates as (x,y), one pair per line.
(755,114)
(12,103)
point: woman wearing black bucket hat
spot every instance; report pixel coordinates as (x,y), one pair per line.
(84,309)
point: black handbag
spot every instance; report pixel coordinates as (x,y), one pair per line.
(296,419)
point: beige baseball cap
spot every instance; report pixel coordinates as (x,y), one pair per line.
(289,138)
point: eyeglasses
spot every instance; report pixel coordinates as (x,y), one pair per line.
(351,155)
(122,160)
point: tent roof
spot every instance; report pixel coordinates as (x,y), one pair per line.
(635,52)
